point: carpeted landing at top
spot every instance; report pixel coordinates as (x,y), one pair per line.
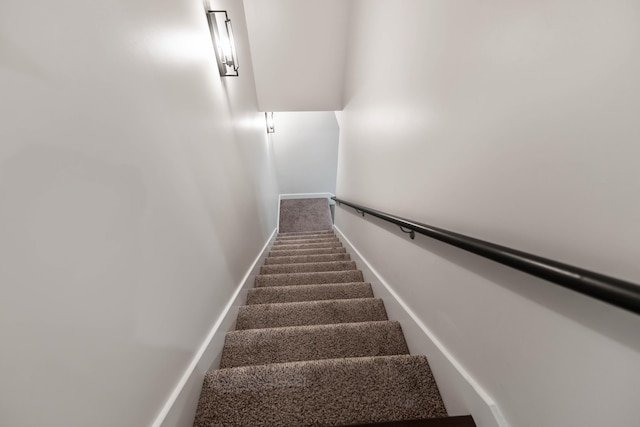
(314,347)
(300,215)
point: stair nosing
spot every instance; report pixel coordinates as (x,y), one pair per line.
(320,300)
(321,325)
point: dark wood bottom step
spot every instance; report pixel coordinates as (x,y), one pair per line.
(461,421)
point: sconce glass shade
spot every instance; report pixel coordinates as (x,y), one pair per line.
(271,128)
(223,43)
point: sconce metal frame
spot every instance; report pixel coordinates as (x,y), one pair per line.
(223,42)
(271,127)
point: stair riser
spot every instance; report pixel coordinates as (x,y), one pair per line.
(262,316)
(306,259)
(305,241)
(280,294)
(304,252)
(308,268)
(292,344)
(298,240)
(308,278)
(335,244)
(305,233)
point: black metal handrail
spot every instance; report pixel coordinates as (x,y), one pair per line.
(614,291)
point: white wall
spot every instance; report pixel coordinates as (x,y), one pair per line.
(136,189)
(513,122)
(298,49)
(305,147)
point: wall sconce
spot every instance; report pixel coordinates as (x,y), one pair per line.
(224,45)
(270,126)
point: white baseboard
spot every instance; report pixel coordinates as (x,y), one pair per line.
(302,196)
(461,393)
(180,409)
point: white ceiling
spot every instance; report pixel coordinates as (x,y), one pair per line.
(298,50)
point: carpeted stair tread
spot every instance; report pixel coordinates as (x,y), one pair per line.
(309,267)
(328,392)
(303,252)
(297,343)
(288,247)
(258,316)
(306,258)
(313,278)
(305,233)
(306,241)
(293,239)
(299,293)
(280,238)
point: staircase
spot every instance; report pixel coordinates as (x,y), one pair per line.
(313,346)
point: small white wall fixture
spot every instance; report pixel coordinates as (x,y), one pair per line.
(271,128)
(223,42)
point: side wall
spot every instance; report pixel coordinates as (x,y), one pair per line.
(136,189)
(516,123)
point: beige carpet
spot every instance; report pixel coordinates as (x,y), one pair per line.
(330,392)
(314,347)
(303,215)
(298,343)
(297,293)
